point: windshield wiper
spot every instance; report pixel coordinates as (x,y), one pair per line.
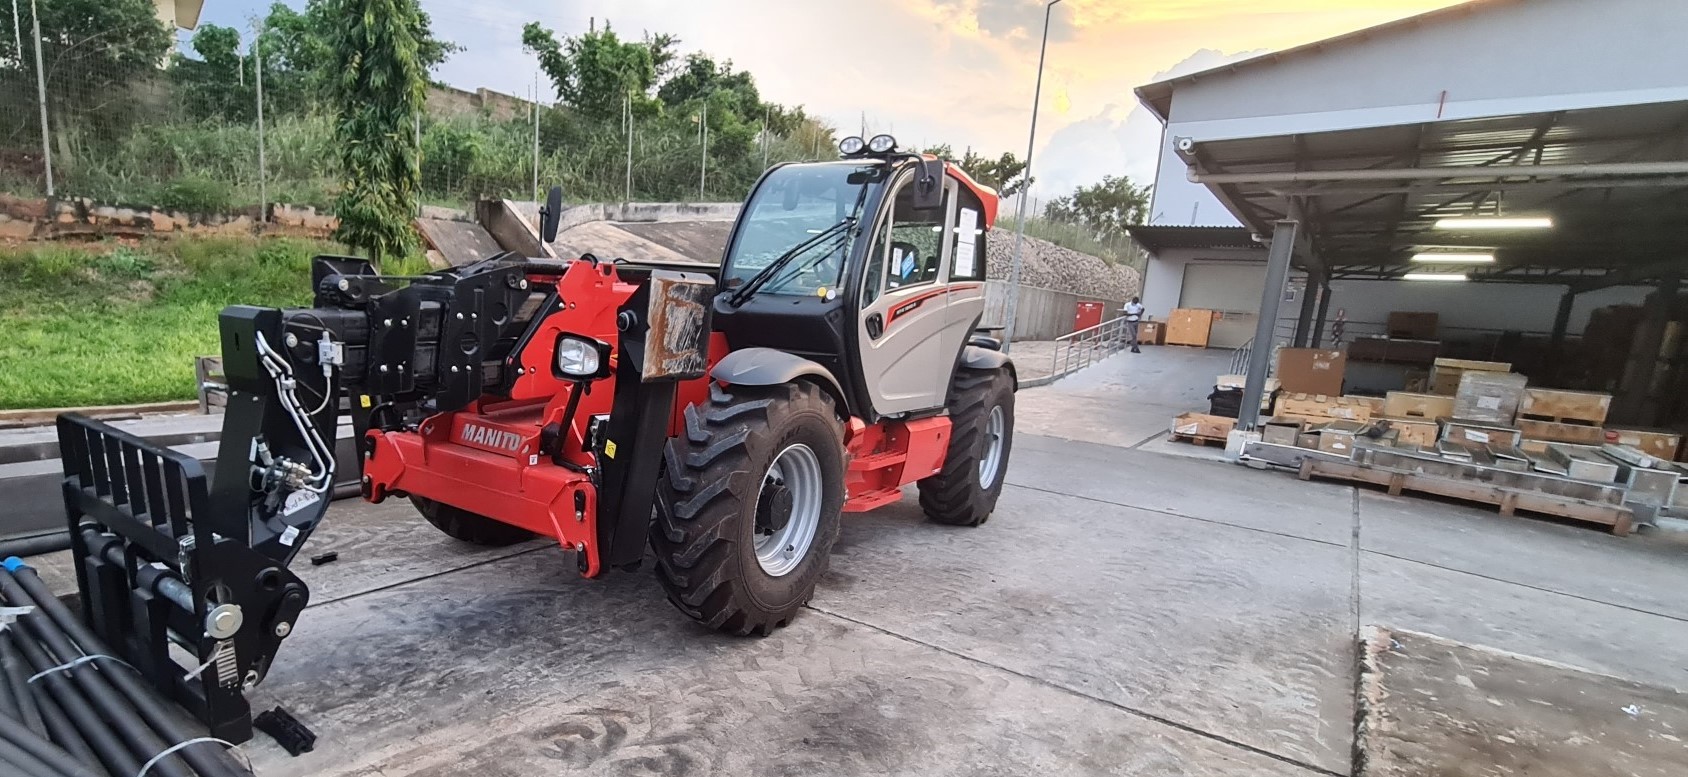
(761,278)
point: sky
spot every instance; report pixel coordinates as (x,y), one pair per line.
(960,72)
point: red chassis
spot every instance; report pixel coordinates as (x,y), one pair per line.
(485,457)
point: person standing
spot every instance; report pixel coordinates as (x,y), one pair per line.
(1133,318)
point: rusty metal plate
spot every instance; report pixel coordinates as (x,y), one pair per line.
(677,347)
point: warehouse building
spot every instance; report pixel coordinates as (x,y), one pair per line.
(1514,171)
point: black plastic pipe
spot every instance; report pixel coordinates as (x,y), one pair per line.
(10,678)
(42,750)
(17,673)
(24,764)
(112,752)
(132,727)
(35,544)
(63,733)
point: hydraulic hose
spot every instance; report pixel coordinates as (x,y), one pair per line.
(141,738)
(61,731)
(208,758)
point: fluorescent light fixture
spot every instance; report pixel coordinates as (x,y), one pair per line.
(1435,276)
(1481,222)
(1454,258)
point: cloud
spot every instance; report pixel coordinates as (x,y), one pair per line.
(1121,139)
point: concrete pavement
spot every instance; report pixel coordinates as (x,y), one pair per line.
(1124,612)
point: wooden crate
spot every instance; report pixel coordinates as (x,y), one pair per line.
(1413,326)
(1445,373)
(1589,407)
(1479,433)
(1202,428)
(1406,404)
(1552,431)
(1489,396)
(1653,442)
(1189,326)
(1414,431)
(1375,404)
(1320,408)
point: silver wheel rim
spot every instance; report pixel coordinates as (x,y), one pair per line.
(799,470)
(991,462)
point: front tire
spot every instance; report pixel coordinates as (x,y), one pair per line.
(474,528)
(748,506)
(981,411)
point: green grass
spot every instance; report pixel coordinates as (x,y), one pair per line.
(110,323)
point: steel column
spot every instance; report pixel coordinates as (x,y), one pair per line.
(1260,356)
(1304,321)
(1319,318)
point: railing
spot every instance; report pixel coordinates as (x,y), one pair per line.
(1085,347)
(1239,358)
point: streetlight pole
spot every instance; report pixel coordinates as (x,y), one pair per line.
(1020,231)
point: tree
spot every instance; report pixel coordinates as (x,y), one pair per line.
(1106,208)
(1006,174)
(377,90)
(596,72)
(215,85)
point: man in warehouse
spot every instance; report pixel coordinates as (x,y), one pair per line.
(1133,315)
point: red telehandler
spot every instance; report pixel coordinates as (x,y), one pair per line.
(721,418)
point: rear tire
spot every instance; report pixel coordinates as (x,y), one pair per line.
(475,528)
(981,411)
(720,556)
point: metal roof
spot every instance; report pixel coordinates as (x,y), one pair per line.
(1614,180)
(1157,97)
(1157,238)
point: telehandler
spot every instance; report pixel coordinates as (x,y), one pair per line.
(722,417)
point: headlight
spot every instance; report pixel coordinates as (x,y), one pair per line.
(581,358)
(851,146)
(882,144)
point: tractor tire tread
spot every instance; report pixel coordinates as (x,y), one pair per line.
(470,527)
(954,496)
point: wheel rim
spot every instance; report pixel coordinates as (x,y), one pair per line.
(798,470)
(991,463)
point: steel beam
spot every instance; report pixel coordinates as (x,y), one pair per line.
(1284,237)
(1319,318)
(1304,322)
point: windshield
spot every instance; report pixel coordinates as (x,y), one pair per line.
(799,203)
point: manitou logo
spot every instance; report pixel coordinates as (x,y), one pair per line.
(475,434)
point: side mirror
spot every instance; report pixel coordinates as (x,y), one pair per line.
(929,185)
(551,215)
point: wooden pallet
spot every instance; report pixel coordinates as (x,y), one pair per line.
(1507,500)
(1195,440)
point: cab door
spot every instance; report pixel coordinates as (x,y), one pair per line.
(904,312)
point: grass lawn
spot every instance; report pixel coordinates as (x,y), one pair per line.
(119,323)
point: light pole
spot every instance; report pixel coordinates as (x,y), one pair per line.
(1020,231)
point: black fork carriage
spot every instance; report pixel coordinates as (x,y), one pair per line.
(174,587)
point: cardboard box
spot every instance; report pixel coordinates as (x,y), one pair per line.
(1414,431)
(1189,326)
(1318,408)
(1406,404)
(1209,427)
(1413,326)
(1445,373)
(1653,442)
(1311,370)
(1542,404)
(1281,431)
(1493,397)
(1151,333)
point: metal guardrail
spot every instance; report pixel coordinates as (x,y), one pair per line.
(1085,347)
(1239,358)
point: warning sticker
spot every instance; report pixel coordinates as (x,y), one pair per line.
(1489,403)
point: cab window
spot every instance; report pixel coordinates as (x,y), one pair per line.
(908,250)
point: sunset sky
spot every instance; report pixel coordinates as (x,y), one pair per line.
(933,71)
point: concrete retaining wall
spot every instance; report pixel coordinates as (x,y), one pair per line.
(1049,266)
(23,218)
(1043,314)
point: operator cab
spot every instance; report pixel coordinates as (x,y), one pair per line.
(872,266)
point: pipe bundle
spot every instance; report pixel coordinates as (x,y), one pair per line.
(69,709)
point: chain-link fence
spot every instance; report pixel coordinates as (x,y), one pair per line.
(106,106)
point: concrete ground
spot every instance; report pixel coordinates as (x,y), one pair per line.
(1124,612)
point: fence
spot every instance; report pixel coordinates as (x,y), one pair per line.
(104,106)
(1042,314)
